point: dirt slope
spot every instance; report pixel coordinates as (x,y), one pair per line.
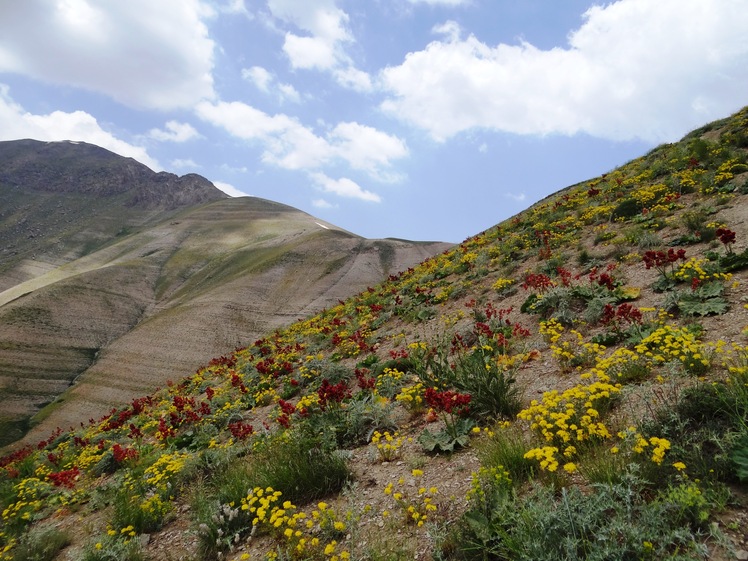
(155,305)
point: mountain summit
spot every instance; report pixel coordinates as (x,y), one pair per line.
(118,278)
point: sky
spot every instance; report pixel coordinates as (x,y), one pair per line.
(415,119)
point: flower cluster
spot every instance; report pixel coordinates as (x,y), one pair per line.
(411,397)
(639,444)
(668,343)
(663,261)
(576,353)
(303,535)
(388,445)
(698,271)
(486,479)
(565,419)
(448,401)
(415,508)
(502,284)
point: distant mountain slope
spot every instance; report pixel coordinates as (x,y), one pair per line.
(120,278)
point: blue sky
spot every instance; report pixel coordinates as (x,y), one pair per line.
(417,119)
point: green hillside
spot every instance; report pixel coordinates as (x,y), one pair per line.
(570,384)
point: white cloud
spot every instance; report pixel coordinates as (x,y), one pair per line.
(366,148)
(259,76)
(229,189)
(175,132)
(353,79)
(141,53)
(634,69)
(16,123)
(288,92)
(234,169)
(343,187)
(310,52)
(264,80)
(519,197)
(450,29)
(189,163)
(235,7)
(323,45)
(322,203)
(290,145)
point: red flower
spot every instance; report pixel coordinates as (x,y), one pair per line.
(121,454)
(726,236)
(448,401)
(65,478)
(334,393)
(240,430)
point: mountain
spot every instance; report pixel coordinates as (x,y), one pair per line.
(569,384)
(62,200)
(117,279)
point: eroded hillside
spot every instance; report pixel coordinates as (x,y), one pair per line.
(119,279)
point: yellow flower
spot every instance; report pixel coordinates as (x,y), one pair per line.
(680,466)
(570,467)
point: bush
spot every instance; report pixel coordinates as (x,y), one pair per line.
(41,544)
(702,430)
(507,447)
(301,466)
(627,208)
(613,522)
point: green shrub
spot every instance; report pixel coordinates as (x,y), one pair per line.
(301,466)
(610,522)
(41,544)
(702,429)
(627,208)
(507,447)
(113,548)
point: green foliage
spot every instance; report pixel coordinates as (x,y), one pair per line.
(739,457)
(506,448)
(707,299)
(612,522)
(492,388)
(695,221)
(219,525)
(734,262)
(627,208)
(129,510)
(41,544)
(476,372)
(568,303)
(113,548)
(301,466)
(703,427)
(691,504)
(448,439)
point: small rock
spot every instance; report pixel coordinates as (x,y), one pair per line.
(742,554)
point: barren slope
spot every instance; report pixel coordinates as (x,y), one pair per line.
(157,304)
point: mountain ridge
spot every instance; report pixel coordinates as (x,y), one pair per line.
(133,256)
